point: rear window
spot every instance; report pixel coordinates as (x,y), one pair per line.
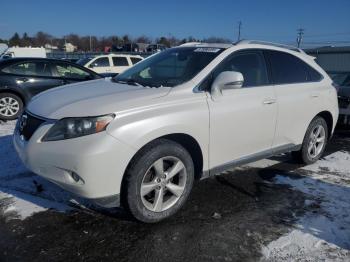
(29,68)
(120,61)
(288,69)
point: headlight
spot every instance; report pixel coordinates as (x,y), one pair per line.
(67,128)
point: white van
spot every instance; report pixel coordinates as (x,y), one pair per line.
(110,64)
(24,52)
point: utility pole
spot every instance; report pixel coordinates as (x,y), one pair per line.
(90,44)
(300,36)
(239,30)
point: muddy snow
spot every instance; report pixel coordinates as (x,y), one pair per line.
(317,230)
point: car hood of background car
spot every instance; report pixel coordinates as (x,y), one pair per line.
(93,98)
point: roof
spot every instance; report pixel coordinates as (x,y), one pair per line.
(20,59)
(213,45)
(243,42)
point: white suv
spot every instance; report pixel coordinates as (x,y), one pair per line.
(111,64)
(186,113)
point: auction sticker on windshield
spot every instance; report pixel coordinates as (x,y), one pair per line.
(207,50)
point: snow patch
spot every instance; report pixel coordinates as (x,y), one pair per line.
(323,234)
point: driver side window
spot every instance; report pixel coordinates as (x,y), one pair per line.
(71,72)
(251,64)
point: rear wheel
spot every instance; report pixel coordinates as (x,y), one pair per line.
(158,181)
(314,143)
(11,106)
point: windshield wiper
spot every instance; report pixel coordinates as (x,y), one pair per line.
(127,82)
(130,82)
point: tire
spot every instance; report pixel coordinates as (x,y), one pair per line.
(11,106)
(307,156)
(145,174)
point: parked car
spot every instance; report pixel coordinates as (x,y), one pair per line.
(23,78)
(155,48)
(342,79)
(110,64)
(186,113)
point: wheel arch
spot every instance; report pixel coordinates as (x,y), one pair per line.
(327,116)
(14,92)
(185,140)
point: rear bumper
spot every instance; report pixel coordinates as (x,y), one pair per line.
(98,160)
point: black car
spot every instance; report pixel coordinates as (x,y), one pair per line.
(23,78)
(342,80)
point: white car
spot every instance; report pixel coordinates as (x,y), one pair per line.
(190,112)
(111,64)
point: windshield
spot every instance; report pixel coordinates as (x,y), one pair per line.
(170,68)
(83,61)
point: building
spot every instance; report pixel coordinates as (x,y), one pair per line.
(69,48)
(332,59)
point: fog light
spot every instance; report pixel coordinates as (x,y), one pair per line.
(75,177)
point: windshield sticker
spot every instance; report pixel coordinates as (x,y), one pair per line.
(207,50)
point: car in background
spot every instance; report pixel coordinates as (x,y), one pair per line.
(110,65)
(342,80)
(23,78)
(155,48)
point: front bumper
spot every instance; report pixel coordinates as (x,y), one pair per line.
(99,161)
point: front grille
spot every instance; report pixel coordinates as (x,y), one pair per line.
(28,124)
(344,102)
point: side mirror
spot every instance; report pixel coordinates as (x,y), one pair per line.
(227,80)
(91,65)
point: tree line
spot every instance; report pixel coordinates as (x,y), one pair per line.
(94,43)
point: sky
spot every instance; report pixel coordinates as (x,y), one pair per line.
(269,20)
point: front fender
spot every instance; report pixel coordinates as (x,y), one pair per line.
(139,127)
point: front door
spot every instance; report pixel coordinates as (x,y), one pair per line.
(242,121)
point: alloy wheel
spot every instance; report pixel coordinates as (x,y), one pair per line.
(316,141)
(9,106)
(163,184)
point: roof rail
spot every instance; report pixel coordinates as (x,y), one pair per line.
(191,43)
(293,48)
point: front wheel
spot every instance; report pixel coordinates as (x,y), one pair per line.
(158,181)
(314,142)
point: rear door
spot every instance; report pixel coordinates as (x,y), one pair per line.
(120,64)
(299,94)
(32,77)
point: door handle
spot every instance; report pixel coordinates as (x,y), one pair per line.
(269,101)
(22,80)
(315,95)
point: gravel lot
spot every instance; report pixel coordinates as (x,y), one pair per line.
(271,210)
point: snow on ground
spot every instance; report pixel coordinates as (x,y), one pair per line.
(23,193)
(323,233)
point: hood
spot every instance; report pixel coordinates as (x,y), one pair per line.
(92,98)
(344,91)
